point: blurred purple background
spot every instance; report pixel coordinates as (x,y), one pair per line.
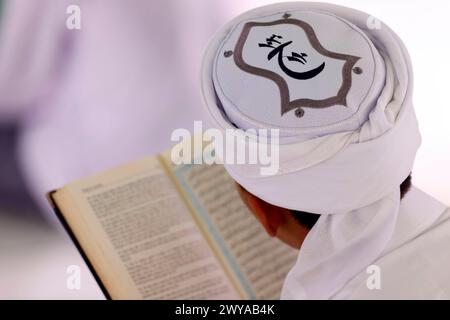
(73,102)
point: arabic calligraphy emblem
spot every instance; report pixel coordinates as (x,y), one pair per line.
(282,53)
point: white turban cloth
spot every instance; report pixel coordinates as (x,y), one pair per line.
(337,83)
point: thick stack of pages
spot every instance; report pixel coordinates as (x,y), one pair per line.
(154,230)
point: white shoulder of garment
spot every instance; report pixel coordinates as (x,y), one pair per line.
(416,263)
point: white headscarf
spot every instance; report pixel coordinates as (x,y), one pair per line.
(350,177)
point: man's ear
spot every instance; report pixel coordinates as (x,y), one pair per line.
(268,215)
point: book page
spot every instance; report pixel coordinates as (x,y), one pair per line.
(140,237)
(260,263)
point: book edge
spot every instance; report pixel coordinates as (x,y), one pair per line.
(74,240)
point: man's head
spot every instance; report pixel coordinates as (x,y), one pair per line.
(339,95)
(290,226)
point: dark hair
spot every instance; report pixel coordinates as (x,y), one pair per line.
(308,219)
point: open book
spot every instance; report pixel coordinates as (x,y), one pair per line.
(154,230)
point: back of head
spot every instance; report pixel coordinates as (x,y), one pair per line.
(338,92)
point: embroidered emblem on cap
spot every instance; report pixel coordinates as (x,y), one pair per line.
(285,60)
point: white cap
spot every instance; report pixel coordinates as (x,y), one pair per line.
(306,73)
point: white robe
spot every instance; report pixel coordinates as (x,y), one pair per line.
(416,262)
